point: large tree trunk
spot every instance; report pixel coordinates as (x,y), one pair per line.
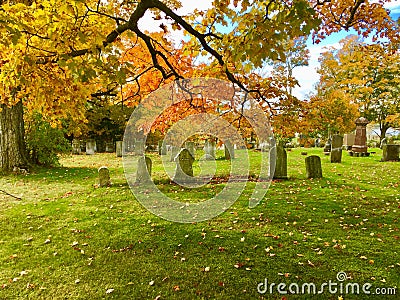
(12,143)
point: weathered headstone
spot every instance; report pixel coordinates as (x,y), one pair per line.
(76,147)
(360,141)
(328,145)
(184,166)
(109,147)
(209,148)
(100,146)
(229,150)
(104,177)
(348,140)
(281,162)
(162,148)
(90,147)
(139,147)
(174,152)
(390,152)
(143,173)
(190,147)
(313,166)
(336,151)
(317,142)
(118,148)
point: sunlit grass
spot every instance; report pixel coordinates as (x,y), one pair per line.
(67,238)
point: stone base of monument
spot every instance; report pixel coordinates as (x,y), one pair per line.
(359,154)
(359,149)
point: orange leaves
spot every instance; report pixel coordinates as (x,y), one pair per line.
(358,76)
(365,17)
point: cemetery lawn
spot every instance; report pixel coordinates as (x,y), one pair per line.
(67,239)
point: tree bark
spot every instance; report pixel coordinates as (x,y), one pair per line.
(12,142)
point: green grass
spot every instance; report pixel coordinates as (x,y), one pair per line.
(304,231)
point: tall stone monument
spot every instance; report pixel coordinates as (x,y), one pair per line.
(360,140)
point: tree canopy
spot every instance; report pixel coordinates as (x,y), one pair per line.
(363,75)
(55,55)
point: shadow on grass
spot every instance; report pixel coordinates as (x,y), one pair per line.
(60,174)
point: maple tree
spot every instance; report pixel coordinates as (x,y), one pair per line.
(330,112)
(363,75)
(55,60)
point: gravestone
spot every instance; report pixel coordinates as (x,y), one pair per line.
(184,166)
(90,147)
(109,147)
(360,140)
(348,140)
(206,157)
(118,148)
(317,143)
(139,147)
(336,151)
(162,148)
(143,173)
(390,152)
(104,177)
(76,147)
(229,150)
(174,152)
(209,149)
(100,146)
(328,145)
(190,147)
(313,166)
(281,162)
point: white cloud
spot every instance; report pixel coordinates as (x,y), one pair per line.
(307,76)
(393,5)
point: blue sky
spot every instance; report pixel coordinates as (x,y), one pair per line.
(307,76)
